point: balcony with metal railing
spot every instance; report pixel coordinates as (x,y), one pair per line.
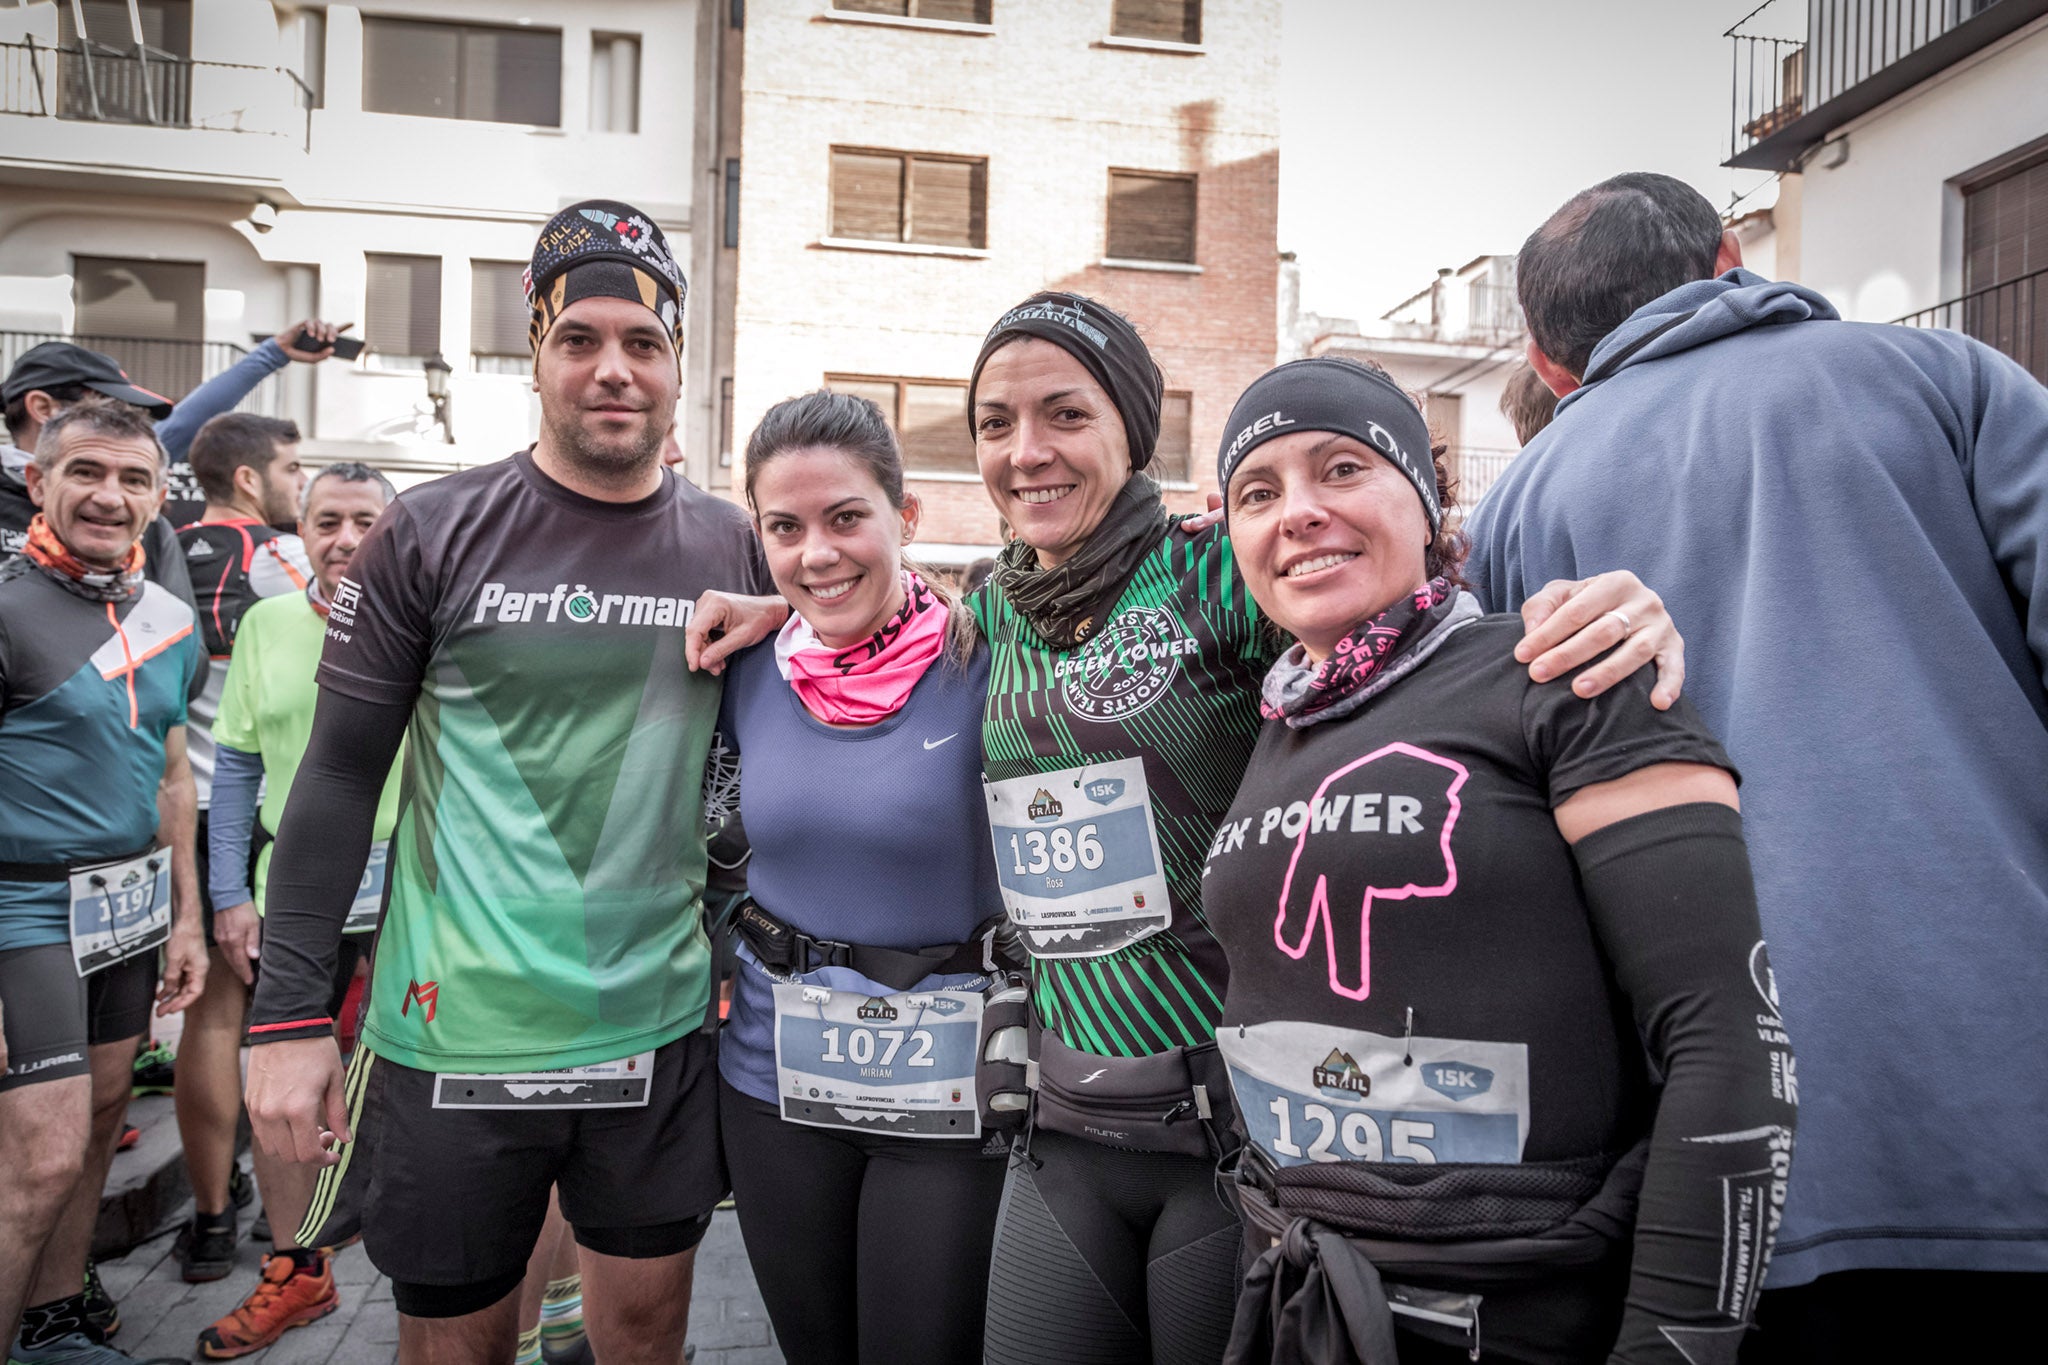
(170,367)
(140,111)
(1460,313)
(2011,317)
(1476,469)
(1802,71)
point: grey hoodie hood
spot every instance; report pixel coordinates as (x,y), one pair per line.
(1697,313)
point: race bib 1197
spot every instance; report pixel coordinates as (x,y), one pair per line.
(119,909)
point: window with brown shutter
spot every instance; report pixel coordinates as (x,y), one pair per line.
(1173,457)
(402,308)
(867,195)
(2005,228)
(900,197)
(498,318)
(149,315)
(1151,216)
(480,72)
(929,417)
(1162,21)
(952,11)
(947,200)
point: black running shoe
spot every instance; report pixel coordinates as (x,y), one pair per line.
(102,1314)
(241,1189)
(207,1252)
(259,1231)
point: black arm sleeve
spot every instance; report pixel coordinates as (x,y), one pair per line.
(1672,902)
(318,862)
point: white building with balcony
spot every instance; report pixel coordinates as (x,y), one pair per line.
(181,176)
(1455,342)
(1912,138)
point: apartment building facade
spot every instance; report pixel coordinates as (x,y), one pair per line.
(897,173)
(1454,343)
(230,166)
(1912,138)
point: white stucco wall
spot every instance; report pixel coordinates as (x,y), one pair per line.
(1880,234)
(361,183)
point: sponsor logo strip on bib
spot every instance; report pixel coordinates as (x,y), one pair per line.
(621,1084)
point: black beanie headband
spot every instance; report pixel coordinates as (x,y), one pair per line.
(1107,346)
(1322,394)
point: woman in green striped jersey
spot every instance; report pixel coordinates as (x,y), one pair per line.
(1123,707)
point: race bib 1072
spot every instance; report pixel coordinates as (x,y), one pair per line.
(897,1064)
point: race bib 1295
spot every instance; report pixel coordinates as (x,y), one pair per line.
(1308,1092)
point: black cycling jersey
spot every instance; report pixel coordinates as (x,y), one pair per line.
(233,565)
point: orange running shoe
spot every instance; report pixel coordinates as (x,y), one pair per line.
(283,1299)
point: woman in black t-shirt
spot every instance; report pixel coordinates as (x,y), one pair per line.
(1470,921)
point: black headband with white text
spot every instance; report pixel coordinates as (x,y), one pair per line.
(1325,394)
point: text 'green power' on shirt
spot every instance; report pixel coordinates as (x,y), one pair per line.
(266,709)
(1173,680)
(548,864)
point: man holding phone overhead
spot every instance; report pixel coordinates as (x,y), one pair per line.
(56,374)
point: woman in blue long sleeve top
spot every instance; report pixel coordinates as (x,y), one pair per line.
(867,1191)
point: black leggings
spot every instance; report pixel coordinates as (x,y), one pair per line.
(869,1250)
(1106,1257)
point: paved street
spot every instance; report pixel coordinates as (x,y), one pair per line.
(162,1315)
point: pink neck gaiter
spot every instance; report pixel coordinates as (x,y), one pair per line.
(870,681)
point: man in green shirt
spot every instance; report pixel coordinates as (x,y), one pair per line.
(536,1016)
(260,733)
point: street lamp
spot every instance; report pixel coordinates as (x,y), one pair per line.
(438,371)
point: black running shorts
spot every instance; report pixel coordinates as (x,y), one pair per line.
(51,1016)
(456,1197)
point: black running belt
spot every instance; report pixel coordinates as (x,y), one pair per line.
(61,872)
(781,947)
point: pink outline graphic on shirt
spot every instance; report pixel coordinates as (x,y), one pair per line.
(1319,900)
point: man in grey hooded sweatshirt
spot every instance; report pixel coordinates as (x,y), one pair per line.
(1850,521)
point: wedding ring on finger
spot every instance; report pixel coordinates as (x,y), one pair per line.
(1627,626)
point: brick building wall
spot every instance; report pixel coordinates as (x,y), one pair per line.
(1053,103)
